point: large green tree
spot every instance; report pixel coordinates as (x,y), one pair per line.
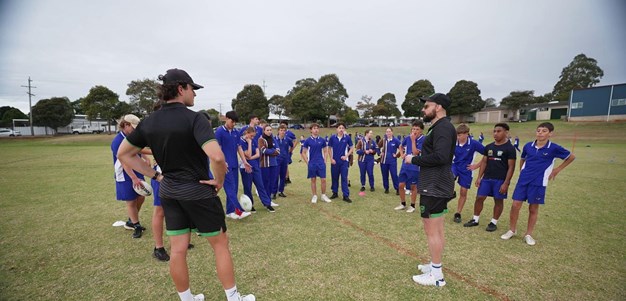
(582,72)
(350,115)
(331,93)
(302,101)
(77,105)
(143,95)
(7,114)
(366,105)
(214,116)
(386,106)
(101,102)
(251,101)
(412,106)
(277,105)
(518,99)
(54,112)
(465,97)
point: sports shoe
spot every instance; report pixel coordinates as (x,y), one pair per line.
(232,215)
(244,215)
(507,235)
(274,204)
(425,268)
(129,225)
(529,240)
(314,199)
(347,199)
(428,279)
(252,210)
(471,223)
(287,181)
(362,188)
(407,192)
(198,297)
(160,254)
(491,227)
(400,207)
(138,231)
(247,298)
(190,246)
(270,208)
(457,218)
(282,195)
(273,196)
(334,196)
(386,191)
(372,189)
(349,185)
(325,198)
(411,209)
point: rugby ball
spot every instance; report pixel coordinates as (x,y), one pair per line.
(245,202)
(143,188)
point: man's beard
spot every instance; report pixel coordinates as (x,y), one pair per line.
(429,118)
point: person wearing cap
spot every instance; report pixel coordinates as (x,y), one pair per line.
(436,182)
(126,178)
(181,140)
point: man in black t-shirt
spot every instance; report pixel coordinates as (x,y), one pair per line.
(181,140)
(494,177)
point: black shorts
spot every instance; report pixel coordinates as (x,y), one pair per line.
(203,216)
(431,206)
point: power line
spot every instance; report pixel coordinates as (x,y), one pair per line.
(30,105)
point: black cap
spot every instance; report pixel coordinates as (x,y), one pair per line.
(232,115)
(174,76)
(438,98)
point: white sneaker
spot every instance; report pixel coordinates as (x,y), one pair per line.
(400,207)
(424,268)
(198,297)
(507,235)
(244,215)
(247,298)
(529,240)
(407,192)
(233,215)
(314,199)
(274,204)
(411,209)
(428,279)
(325,198)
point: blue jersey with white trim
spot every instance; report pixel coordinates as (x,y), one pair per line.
(539,162)
(464,154)
(315,146)
(340,146)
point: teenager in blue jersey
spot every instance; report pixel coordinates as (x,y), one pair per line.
(250,148)
(462,166)
(340,147)
(285,145)
(254,123)
(269,163)
(314,156)
(289,134)
(389,146)
(366,148)
(228,138)
(409,173)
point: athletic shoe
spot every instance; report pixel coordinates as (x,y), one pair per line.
(198,297)
(491,227)
(407,192)
(252,210)
(274,204)
(386,191)
(428,279)
(457,218)
(425,268)
(400,207)
(138,231)
(325,198)
(129,225)
(507,235)
(349,185)
(282,195)
(160,254)
(529,240)
(288,181)
(347,199)
(190,246)
(273,196)
(471,223)
(270,209)
(334,196)
(372,189)
(247,298)
(411,209)
(314,199)
(233,215)
(362,188)
(244,215)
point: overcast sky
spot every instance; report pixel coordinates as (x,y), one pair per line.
(375,47)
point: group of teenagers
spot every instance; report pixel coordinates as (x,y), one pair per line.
(192,163)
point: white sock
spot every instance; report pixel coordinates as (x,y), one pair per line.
(186,295)
(232,294)
(494,221)
(476,217)
(436,270)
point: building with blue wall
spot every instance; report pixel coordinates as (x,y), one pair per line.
(604,103)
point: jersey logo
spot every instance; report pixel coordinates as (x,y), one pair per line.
(500,153)
(490,153)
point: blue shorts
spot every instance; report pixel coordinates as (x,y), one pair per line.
(155,192)
(533,193)
(124,191)
(316,170)
(491,187)
(409,177)
(464,176)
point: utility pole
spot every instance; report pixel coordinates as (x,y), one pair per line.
(220,104)
(30,105)
(264,86)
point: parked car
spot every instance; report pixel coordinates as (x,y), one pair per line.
(373,124)
(357,124)
(296,127)
(403,124)
(9,133)
(274,125)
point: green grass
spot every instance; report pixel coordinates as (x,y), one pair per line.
(57,204)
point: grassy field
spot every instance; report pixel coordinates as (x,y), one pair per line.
(57,204)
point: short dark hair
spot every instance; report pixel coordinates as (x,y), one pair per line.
(232,115)
(314,125)
(546,125)
(418,123)
(502,125)
(341,124)
(253,116)
(284,122)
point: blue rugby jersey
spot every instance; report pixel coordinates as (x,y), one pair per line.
(315,146)
(408,150)
(464,154)
(244,146)
(340,146)
(388,150)
(540,162)
(229,141)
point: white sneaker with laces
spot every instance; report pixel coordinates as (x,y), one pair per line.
(424,268)
(233,215)
(529,240)
(198,297)
(247,298)
(507,235)
(325,198)
(411,209)
(314,199)
(400,207)
(244,215)
(274,204)
(428,279)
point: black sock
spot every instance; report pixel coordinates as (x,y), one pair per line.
(403,203)
(413,205)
